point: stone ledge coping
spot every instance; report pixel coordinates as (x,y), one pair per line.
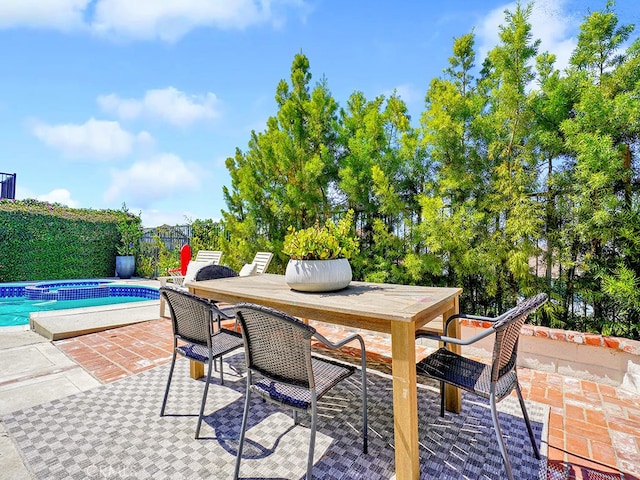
(616,343)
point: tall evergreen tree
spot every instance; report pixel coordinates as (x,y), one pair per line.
(453,226)
(371,179)
(602,133)
(286,175)
(551,104)
(513,158)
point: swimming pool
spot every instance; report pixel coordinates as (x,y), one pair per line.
(18,300)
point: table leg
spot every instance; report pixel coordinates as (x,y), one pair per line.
(196,369)
(405,400)
(453,395)
(162,306)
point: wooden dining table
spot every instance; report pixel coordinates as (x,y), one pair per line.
(398,310)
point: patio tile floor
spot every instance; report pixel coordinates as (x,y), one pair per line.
(594,429)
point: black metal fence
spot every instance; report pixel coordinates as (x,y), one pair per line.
(173,237)
(7,185)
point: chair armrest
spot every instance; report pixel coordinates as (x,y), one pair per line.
(220,314)
(343,342)
(227,312)
(464,316)
(457,341)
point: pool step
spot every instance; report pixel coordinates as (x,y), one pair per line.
(59,324)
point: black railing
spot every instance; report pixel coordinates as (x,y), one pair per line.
(7,185)
(173,237)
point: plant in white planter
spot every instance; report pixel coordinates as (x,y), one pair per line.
(320,256)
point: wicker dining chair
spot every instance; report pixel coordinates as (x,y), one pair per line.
(278,350)
(492,381)
(196,323)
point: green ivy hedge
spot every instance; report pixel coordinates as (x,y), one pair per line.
(45,241)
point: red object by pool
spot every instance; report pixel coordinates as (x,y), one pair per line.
(185,257)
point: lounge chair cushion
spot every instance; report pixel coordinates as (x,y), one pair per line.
(192,270)
(248,269)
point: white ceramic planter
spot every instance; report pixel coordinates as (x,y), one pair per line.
(318,275)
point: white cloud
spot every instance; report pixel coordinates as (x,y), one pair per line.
(151,180)
(123,108)
(59,195)
(168,104)
(93,140)
(155,218)
(550,23)
(166,20)
(169,20)
(407,93)
(57,14)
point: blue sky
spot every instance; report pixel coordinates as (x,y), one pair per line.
(141,101)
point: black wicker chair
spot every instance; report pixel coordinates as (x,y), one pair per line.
(212,272)
(193,320)
(491,381)
(278,349)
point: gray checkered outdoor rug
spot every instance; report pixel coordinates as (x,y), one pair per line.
(115,432)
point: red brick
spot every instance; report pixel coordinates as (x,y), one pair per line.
(604,454)
(577,445)
(596,417)
(542,332)
(611,342)
(556,454)
(575,337)
(575,412)
(556,334)
(592,339)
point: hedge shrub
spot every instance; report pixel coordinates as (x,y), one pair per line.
(48,241)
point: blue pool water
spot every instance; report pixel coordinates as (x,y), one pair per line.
(18,300)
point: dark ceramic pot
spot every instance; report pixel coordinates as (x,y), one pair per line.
(125,266)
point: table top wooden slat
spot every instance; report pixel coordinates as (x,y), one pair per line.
(364,305)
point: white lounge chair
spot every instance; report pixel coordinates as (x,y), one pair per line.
(258,265)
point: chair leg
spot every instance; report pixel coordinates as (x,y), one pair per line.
(243,427)
(221,373)
(166,391)
(204,396)
(441,398)
(312,439)
(498,430)
(365,422)
(536,451)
